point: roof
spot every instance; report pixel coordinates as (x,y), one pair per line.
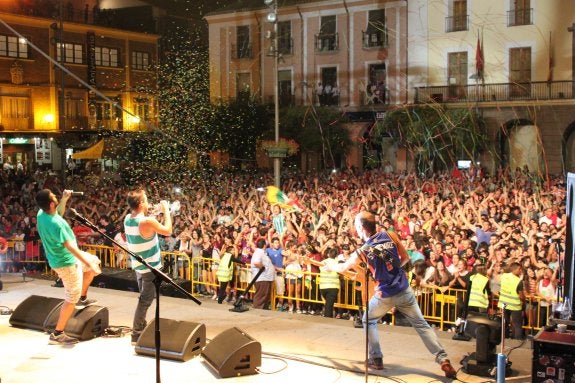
(250,5)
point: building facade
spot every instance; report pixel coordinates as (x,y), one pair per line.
(65,80)
(384,54)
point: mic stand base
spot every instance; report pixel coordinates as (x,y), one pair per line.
(239,306)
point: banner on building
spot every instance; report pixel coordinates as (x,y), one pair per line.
(91,57)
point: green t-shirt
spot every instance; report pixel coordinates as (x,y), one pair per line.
(54,231)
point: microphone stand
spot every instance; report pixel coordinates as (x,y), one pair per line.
(159,278)
(239,303)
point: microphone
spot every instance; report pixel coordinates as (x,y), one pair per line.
(76,193)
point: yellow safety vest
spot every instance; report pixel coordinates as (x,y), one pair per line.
(224,272)
(477,295)
(329,279)
(508,294)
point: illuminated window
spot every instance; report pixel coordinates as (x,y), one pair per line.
(12,46)
(107,57)
(140,60)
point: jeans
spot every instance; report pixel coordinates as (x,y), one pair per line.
(405,303)
(147,294)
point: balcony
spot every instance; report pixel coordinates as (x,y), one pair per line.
(530,91)
(285,45)
(17,123)
(520,16)
(326,42)
(242,52)
(76,123)
(377,39)
(457,23)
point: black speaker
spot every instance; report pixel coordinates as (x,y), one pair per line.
(179,340)
(34,310)
(85,324)
(233,353)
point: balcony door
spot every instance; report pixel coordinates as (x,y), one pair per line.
(520,72)
(457,75)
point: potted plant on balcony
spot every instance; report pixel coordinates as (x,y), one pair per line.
(282,148)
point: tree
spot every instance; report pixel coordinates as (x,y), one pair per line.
(437,137)
(236,126)
(317,130)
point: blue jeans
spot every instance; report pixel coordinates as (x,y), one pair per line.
(405,303)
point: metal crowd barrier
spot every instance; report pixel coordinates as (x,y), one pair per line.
(23,255)
(439,308)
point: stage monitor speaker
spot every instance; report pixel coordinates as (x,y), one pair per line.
(34,310)
(233,353)
(85,323)
(179,340)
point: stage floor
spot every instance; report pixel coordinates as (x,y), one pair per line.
(295,347)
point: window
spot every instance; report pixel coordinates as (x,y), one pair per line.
(140,60)
(15,107)
(243,84)
(142,108)
(520,72)
(457,74)
(16,113)
(326,40)
(284,88)
(376,33)
(106,57)
(520,13)
(12,46)
(243,45)
(73,53)
(285,41)
(457,21)
(376,89)
(329,94)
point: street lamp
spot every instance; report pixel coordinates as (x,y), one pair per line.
(272,17)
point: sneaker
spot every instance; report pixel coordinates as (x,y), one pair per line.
(448,369)
(357,323)
(230,298)
(214,297)
(298,311)
(62,339)
(85,302)
(375,363)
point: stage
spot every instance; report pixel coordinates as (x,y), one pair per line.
(295,347)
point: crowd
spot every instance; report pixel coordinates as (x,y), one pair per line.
(450,223)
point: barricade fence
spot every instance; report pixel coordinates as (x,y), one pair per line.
(23,256)
(441,309)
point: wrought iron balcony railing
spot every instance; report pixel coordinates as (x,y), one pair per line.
(377,39)
(326,42)
(242,52)
(457,23)
(529,91)
(521,16)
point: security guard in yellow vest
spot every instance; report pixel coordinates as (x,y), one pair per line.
(511,299)
(225,272)
(329,283)
(479,291)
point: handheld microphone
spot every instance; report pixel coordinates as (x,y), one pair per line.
(76,193)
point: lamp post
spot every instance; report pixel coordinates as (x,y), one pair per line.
(61,101)
(272,17)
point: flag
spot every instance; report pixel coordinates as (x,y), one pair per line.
(277,197)
(551,61)
(479,59)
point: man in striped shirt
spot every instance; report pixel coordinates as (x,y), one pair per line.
(142,237)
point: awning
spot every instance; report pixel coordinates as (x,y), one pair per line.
(105,148)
